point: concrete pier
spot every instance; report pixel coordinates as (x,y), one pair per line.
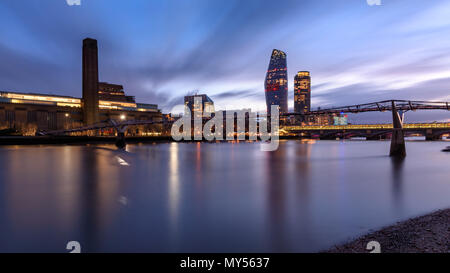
(398,148)
(120,141)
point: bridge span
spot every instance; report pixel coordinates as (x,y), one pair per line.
(380,106)
(398,109)
(397,130)
(431,131)
(119,126)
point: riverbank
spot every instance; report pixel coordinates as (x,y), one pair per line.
(43,140)
(63,140)
(425,234)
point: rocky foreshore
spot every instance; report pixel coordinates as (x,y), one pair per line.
(425,234)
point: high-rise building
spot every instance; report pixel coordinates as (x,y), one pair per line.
(302,93)
(90,81)
(207,105)
(276,83)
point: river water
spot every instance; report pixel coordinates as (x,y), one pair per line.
(213,197)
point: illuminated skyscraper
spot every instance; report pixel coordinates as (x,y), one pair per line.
(302,93)
(276,83)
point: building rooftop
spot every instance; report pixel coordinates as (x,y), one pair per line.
(69,101)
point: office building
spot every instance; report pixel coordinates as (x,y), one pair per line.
(276,83)
(27,113)
(206,105)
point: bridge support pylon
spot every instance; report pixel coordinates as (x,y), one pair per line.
(432,137)
(120,129)
(120,141)
(373,137)
(429,135)
(398,148)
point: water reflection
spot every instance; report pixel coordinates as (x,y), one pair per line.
(303,151)
(90,223)
(276,186)
(288,193)
(397,181)
(201,197)
(174,183)
(198,163)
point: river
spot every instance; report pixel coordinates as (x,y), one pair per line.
(213,197)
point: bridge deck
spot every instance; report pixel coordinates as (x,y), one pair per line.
(380,106)
(387,126)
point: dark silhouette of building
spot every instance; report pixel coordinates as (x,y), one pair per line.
(26,113)
(276,83)
(113,92)
(302,93)
(90,81)
(207,105)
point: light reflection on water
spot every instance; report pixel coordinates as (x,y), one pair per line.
(221,197)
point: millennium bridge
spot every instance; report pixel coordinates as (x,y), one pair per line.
(431,131)
(397,130)
(383,106)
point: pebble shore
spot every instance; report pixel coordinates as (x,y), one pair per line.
(425,234)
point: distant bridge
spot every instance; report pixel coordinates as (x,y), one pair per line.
(110,123)
(396,129)
(120,128)
(380,106)
(431,131)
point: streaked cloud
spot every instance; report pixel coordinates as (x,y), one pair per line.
(162,50)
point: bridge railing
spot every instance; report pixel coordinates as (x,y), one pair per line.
(443,125)
(380,106)
(102,125)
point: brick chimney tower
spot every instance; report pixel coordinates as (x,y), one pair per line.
(90,82)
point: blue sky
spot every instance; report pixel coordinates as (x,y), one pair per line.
(161,50)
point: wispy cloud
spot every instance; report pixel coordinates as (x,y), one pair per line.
(161,50)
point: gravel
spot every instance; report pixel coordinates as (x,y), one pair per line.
(425,234)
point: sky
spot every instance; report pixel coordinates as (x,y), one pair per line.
(162,50)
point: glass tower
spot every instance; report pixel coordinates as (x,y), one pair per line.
(276,84)
(302,92)
(207,105)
